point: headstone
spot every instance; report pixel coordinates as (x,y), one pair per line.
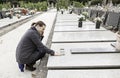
(113,19)
(100,13)
(93,14)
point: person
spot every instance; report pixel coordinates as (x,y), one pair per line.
(30,48)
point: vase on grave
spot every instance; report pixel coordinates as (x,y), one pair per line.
(98,23)
(80,24)
(80,21)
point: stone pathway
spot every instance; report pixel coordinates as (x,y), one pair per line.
(9,41)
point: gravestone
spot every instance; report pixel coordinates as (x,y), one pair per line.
(112,19)
(100,13)
(93,14)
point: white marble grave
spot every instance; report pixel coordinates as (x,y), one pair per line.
(93,36)
(105,73)
(77,29)
(96,47)
(84,61)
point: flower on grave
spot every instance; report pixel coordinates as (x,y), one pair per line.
(81,18)
(98,19)
(85,14)
(18,16)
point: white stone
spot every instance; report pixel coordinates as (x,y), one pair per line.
(93,36)
(100,73)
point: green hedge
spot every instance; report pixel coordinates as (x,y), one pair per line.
(78,4)
(40,6)
(96,2)
(5,5)
(116,1)
(63,4)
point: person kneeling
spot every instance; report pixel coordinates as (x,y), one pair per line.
(30,48)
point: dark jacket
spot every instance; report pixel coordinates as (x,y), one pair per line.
(30,47)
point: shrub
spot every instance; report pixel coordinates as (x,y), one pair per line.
(43,6)
(40,6)
(78,4)
(96,2)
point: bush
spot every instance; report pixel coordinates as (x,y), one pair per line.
(40,6)
(78,4)
(116,1)
(44,6)
(62,4)
(5,5)
(22,4)
(0,6)
(96,2)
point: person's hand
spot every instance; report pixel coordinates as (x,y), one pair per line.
(58,54)
(42,33)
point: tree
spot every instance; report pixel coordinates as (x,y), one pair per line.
(96,2)
(63,4)
(116,1)
(81,1)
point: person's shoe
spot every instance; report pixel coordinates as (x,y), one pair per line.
(30,68)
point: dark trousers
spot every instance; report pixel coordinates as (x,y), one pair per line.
(40,56)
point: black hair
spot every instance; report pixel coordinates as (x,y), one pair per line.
(40,23)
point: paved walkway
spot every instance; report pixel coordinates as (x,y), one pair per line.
(9,41)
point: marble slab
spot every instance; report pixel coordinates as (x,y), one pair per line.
(93,36)
(67,24)
(67,17)
(77,29)
(105,73)
(72,23)
(92,50)
(65,20)
(113,19)
(84,61)
(96,47)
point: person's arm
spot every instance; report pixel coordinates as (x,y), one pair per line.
(42,38)
(37,41)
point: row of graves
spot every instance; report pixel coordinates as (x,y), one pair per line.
(88,52)
(111,19)
(18,12)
